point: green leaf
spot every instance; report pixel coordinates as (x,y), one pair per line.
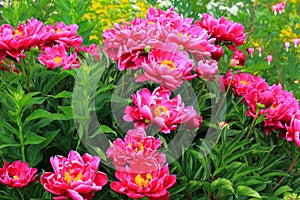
(32,138)
(247,191)
(37,114)
(63,94)
(282,190)
(223,186)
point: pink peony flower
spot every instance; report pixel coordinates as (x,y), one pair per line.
(223,30)
(63,34)
(17,175)
(74,177)
(136,148)
(293,129)
(167,68)
(238,58)
(92,50)
(207,69)
(153,185)
(16,41)
(158,109)
(269,59)
(216,55)
(55,56)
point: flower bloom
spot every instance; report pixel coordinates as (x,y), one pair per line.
(287,46)
(92,50)
(223,30)
(278,8)
(269,59)
(293,130)
(167,68)
(62,34)
(136,148)
(216,55)
(259,49)
(250,52)
(153,184)
(17,175)
(238,58)
(159,109)
(296,41)
(74,177)
(55,56)
(207,69)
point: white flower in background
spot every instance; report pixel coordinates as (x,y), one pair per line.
(164,3)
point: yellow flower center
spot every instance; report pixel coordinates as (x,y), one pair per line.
(142,182)
(170,64)
(244,82)
(17,32)
(58,30)
(138,148)
(68,177)
(16,177)
(161,110)
(57,59)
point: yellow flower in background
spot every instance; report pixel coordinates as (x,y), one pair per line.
(106,13)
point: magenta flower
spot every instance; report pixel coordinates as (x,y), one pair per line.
(293,130)
(63,34)
(216,55)
(167,68)
(55,56)
(92,50)
(16,41)
(153,185)
(223,30)
(136,148)
(159,109)
(250,51)
(207,69)
(269,59)
(17,174)
(74,177)
(238,58)
(278,8)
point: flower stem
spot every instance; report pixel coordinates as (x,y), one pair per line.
(20,193)
(251,128)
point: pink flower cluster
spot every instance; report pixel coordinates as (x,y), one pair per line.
(278,106)
(17,174)
(74,177)
(55,42)
(278,8)
(158,108)
(140,168)
(162,43)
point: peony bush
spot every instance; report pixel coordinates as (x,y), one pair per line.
(175,99)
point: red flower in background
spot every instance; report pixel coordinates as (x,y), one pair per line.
(238,58)
(74,177)
(17,174)
(293,130)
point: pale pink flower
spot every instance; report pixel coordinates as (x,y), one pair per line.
(57,56)
(167,68)
(74,177)
(269,59)
(159,109)
(287,46)
(136,148)
(250,51)
(278,8)
(296,41)
(293,129)
(259,49)
(207,69)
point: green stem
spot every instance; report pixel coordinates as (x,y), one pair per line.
(22,64)
(20,193)
(251,127)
